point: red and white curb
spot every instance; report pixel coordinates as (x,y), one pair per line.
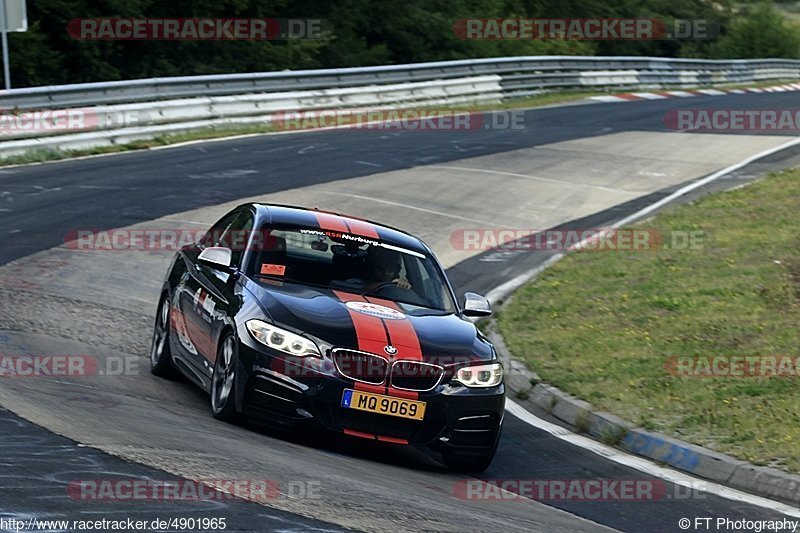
(629,97)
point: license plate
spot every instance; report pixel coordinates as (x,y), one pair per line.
(384,405)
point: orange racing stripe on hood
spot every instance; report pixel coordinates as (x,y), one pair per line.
(371,336)
(404,338)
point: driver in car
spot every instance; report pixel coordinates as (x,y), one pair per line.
(385,269)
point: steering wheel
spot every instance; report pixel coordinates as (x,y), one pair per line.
(384,285)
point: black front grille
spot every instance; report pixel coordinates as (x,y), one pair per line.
(361,366)
(415,375)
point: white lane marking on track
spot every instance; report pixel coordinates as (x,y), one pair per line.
(368,163)
(306,149)
(415,208)
(708,179)
(644,465)
(646,173)
(617,456)
(224,174)
(277,149)
(535,178)
(501,291)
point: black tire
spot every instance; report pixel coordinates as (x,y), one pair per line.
(160,354)
(223,381)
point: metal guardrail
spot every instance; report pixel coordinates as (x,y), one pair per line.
(518,73)
(121,112)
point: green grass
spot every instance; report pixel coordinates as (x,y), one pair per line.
(601,325)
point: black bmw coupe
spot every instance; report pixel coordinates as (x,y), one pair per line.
(290,315)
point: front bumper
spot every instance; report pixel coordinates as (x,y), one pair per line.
(456,417)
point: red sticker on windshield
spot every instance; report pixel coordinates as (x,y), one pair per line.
(273,270)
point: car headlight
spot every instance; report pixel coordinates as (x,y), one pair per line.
(489,375)
(282,340)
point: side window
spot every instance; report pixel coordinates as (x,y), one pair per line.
(237,235)
(212,236)
(429,284)
(233,231)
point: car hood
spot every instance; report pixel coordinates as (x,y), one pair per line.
(327,316)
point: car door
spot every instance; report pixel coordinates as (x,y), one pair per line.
(216,297)
(205,293)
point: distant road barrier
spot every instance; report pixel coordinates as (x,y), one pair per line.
(81,116)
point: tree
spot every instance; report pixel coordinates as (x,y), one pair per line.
(761,32)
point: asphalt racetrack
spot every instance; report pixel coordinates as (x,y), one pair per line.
(571,166)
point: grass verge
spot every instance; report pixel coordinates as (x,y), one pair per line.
(603,326)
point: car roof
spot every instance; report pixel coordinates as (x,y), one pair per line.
(290,215)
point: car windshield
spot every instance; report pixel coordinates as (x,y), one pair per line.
(351,263)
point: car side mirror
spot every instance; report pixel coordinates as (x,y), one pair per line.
(217,257)
(476,305)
